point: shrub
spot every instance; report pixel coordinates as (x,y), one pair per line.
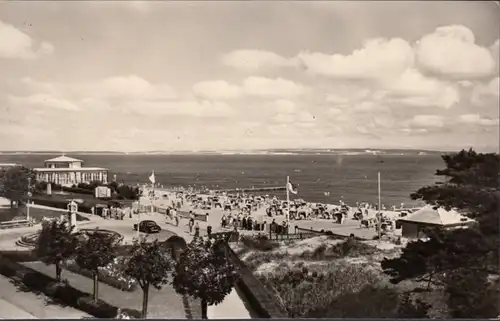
(370,302)
(303,291)
(62,204)
(20,256)
(110,275)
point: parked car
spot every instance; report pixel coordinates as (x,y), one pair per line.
(148,226)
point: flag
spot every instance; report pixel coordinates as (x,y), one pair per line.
(152,178)
(292,188)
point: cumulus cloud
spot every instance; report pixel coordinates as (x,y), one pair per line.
(486,93)
(203,108)
(266,87)
(414,89)
(451,52)
(379,58)
(476,119)
(16,44)
(44,101)
(128,87)
(427,121)
(253,60)
(127,94)
(283,106)
(251,86)
(118,87)
(334,112)
(217,89)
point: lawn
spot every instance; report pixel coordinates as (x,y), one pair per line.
(322,277)
(164,303)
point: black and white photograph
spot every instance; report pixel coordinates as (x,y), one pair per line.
(246,159)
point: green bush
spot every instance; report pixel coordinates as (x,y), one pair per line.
(62,204)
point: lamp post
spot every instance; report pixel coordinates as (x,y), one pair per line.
(29,200)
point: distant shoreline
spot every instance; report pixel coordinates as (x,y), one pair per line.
(278,152)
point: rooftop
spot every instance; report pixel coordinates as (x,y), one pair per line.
(436,216)
(79,169)
(63,159)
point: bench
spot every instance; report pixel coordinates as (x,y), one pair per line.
(13,224)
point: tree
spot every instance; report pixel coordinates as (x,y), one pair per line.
(15,183)
(98,250)
(205,272)
(469,255)
(150,264)
(56,244)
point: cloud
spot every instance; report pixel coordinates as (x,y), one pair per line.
(427,121)
(334,112)
(118,87)
(128,87)
(44,101)
(251,86)
(494,48)
(414,89)
(193,108)
(283,106)
(378,59)
(253,60)
(451,52)
(266,87)
(484,94)
(217,89)
(16,44)
(476,119)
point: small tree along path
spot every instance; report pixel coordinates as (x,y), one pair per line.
(56,244)
(205,272)
(97,250)
(150,264)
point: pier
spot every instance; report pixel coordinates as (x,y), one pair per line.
(246,190)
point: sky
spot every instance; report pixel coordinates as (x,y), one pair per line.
(239,75)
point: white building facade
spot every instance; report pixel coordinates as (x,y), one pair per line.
(67,171)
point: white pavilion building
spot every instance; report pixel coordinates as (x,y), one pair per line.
(67,171)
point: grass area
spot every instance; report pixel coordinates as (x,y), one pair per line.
(164,303)
(323,277)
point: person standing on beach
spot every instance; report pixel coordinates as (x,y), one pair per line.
(191,221)
(196,230)
(173,212)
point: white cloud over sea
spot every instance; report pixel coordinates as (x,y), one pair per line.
(173,76)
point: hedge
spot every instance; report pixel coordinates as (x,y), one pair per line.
(20,256)
(64,293)
(85,208)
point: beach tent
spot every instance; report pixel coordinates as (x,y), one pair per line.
(429,216)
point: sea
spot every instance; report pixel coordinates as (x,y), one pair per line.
(319,178)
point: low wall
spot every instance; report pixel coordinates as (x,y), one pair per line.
(261,301)
(327,233)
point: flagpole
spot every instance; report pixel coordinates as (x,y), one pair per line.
(287,218)
(379,210)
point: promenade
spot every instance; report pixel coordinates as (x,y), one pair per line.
(232,306)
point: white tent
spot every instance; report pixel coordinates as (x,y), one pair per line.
(436,216)
(431,216)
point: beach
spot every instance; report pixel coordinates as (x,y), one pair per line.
(351,178)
